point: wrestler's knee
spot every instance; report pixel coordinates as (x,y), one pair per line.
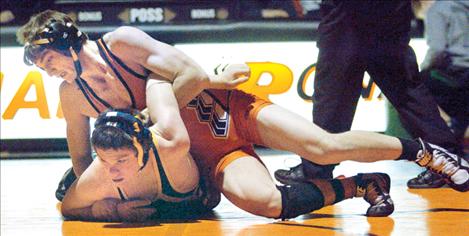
(265,202)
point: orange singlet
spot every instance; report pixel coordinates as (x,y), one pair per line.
(222,128)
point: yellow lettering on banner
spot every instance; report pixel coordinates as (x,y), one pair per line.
(1,81)
(282,79)
(301,86)
(18,101)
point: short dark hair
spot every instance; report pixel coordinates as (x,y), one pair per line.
(108,137)
(36,24)
(111,137)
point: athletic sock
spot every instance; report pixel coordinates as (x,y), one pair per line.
(410,148)
(336,190)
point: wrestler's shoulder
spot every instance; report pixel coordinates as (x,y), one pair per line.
(124,34)
(68,88)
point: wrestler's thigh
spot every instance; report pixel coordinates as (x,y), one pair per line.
(282,129)
(247,184)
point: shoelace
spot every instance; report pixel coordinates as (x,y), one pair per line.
(374,192)
(424,157)
(443,164)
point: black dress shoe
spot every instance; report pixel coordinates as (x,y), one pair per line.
(304,172)
(294,174)
(427,179)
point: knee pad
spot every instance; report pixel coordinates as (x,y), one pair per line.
(300,198)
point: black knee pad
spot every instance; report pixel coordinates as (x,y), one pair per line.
(300,198)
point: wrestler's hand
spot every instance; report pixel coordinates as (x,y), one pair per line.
(145,116)
(231,76)
(135,210)
(106,210)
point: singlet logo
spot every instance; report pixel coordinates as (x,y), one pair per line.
(210,112)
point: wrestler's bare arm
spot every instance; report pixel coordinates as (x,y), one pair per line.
(78,129)
(92,187)
(169,63)
(93,197)
(164,113)
(173,139)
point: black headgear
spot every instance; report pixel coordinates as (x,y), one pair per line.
(131,125)
(60,36)
(65,38)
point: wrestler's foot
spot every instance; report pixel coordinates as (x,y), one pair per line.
(67,180)
(374,188)
(450,166)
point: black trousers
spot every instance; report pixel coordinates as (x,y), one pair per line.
(450,88)
(343,59)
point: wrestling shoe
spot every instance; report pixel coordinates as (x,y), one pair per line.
(427,179)
(67,180)
(374,188)
(452,167)
(304,172)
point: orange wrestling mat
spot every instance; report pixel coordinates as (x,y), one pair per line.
(28,207)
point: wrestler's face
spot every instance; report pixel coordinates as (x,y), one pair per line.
(57,65)
(121,163)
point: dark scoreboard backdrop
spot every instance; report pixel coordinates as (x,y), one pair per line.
(118,12)
(181,21)
(176,21)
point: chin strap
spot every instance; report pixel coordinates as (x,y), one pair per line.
(76,62)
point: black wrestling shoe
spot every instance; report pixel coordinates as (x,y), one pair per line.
(304,172)
(374,188)
(427,179)
(67,180)
(453,168)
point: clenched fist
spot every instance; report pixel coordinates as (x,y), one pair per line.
(105,210)
(230,76)
(135,210)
